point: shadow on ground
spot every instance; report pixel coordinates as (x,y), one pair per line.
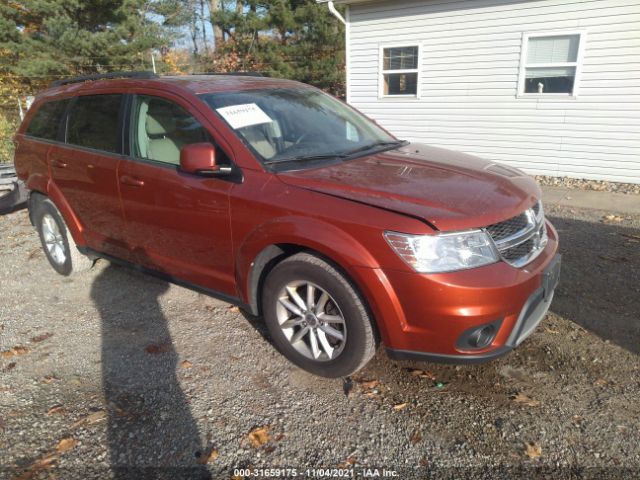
(600,281)
(151,431)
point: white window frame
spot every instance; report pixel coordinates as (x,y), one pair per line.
(582,36)
(382,71)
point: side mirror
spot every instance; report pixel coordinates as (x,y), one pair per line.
(200,159)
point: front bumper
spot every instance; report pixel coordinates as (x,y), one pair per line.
(424,316)
(534,310)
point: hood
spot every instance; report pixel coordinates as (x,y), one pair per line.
(449,190)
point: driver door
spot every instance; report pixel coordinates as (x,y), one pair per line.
(176,223)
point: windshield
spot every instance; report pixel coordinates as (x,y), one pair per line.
(297,125)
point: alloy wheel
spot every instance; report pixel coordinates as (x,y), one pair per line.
(311,321)
(53,239)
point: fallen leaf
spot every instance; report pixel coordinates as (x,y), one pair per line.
(259,436)
(415,436)
(351,460)
(186,364)
(155,349)
(400,406)
(424,462)
(613,259)
(549,330)
(66,444)
(613,218)
(631,236)
(56,409)
(41,338)
(600,382)
(533,450)
(10,366)
(523,399)
(208,456)
(234,309)
(95,417)
(42,464)
(49,378)
(416,372)
(369,384)
(17,350)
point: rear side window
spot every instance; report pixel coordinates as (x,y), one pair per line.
(94,122)
(46,121)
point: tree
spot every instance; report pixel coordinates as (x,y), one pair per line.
(296,39)
(45,38)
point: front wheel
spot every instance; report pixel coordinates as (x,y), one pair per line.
(316,318)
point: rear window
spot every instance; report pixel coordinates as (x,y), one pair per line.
(46,121)
(93,122)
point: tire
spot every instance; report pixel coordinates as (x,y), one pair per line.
(58,244)
(341,313)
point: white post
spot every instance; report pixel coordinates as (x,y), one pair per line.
(20,109)
(153,62)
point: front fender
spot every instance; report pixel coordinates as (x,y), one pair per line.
(324,238)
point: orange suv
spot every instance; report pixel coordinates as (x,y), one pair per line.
(275,196)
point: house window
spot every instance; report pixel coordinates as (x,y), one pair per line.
(550,64)
(400,66)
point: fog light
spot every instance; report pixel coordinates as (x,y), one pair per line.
(482,337)
(478,337)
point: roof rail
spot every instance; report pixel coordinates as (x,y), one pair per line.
(236,74)
(103,76)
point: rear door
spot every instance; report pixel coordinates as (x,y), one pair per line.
(85,169)
(33,145)
(177,223)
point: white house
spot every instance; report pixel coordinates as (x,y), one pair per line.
(549,86)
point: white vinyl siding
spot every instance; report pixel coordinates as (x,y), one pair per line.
(470,77)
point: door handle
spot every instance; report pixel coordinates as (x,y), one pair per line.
(56,162)
(134,182)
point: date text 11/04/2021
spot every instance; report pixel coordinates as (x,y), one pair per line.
(315,473)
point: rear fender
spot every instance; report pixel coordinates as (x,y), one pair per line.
(73,223)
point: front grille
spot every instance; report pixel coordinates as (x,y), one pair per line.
(502,230)
(520,239)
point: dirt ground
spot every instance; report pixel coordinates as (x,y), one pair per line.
(112,374)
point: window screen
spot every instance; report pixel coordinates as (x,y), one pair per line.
(93,122)
(46,121)
(551,64)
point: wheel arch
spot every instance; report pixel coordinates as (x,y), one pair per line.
(52,193)
(269,245)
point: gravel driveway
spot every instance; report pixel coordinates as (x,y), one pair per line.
(112,374)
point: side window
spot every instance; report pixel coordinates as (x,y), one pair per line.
(46,121)
(93,122)
(160,128)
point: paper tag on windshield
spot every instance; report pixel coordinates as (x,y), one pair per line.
(245,115)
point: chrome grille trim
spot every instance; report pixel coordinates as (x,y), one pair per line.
(520,239)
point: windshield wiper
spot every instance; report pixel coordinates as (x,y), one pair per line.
(375,145)
(304,158)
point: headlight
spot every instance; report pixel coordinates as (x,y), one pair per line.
(444,253)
